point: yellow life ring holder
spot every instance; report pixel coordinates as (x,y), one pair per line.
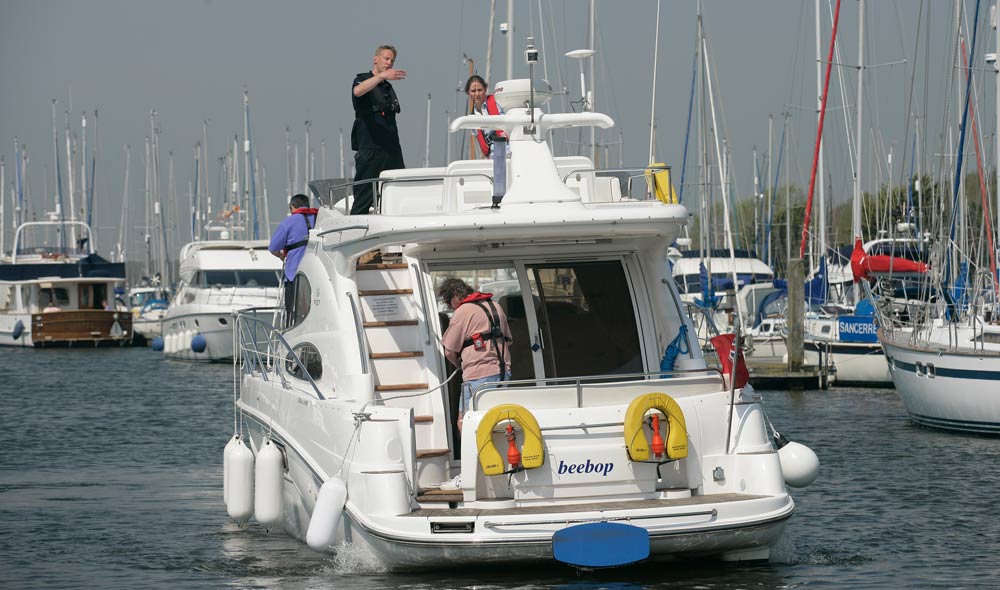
(635,440)
(532,452)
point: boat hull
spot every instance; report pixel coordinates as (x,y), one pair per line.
(215,325)
(72,328)
(396,534)
(948,390)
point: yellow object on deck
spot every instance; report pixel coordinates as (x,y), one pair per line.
(532,453)
(658,179)
(635,440)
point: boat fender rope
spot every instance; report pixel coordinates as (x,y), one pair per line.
(678,346)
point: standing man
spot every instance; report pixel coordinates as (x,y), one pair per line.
(374,136)
(477,339)
(289,244)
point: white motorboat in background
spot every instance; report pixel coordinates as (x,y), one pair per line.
(56,294)
(217,279)
(601,450)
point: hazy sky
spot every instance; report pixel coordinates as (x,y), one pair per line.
(190,59)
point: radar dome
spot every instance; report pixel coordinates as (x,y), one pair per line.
(516,94)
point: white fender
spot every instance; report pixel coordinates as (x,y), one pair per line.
(799,464)
(240,506)
(325,520)
(268,479)
(170,341)
(225,466)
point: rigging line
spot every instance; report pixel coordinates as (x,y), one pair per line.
(961,136)
(819,135)
(909,100)
(687,132)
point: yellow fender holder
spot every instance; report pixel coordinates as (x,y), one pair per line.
(635,440)
(532,452)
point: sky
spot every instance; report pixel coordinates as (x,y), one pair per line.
(189,60)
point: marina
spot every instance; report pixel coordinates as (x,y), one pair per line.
(88,491)
(590,337)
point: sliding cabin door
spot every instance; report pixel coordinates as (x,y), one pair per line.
(583,319)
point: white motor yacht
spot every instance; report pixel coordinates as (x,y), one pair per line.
(595,453)
(217,279)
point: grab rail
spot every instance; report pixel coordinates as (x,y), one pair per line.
(360,329)
(579,382)
(423,303)
(273,337)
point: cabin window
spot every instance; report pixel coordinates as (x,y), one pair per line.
(586,319)
(258,278)
(303,300)
(309,357)
(54,296)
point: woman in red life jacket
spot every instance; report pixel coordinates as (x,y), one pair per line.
(477,340)
(483,104)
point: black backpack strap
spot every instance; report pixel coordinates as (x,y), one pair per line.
(495,334)
(301,243)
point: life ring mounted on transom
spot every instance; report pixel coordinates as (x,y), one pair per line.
(532,452)
(637,446)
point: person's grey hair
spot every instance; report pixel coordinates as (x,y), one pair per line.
(451,287)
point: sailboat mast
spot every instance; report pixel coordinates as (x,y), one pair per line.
(72,202)
(652,103)
(723,180)
(820,101)
(591,35)
(856,202)
(194,192)
(427,134)
(3,204)
(819,134)
(123,230)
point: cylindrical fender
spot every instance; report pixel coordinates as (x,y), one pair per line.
(635,440)
(532,451)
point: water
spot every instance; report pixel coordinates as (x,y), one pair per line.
(110,477)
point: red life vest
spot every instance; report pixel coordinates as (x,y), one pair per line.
(485,140)
(305,212)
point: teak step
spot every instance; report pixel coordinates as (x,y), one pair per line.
(436,495)
(423,418)
(385,292)
(382,266)
(428,453)
(395,355)
(390,323)
(401,387)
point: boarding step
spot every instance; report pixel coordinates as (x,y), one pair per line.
(388,305)
(405,354)
(382,277)
(428,453)
(433,495)
(378,292)
(423,419)
(382,266)
(395,335)
(402,387)
(392,324)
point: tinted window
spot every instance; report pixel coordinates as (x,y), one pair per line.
(257,278)
(309,357)
(586,316)
(303,299)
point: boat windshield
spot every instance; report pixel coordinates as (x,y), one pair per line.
(238,278)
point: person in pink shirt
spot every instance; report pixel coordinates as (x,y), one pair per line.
(477,339)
